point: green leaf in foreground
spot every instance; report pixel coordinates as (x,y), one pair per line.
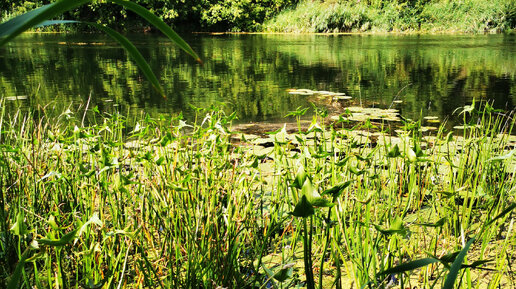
(456,266)
(41,16)
(19,24)
(158,23)
(16,277)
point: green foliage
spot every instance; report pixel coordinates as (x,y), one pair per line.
(308,16)
(401,15)
(221,15)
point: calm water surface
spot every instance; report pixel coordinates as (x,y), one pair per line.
(432,75)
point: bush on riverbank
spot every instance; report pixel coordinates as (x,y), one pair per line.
(399,16)
(205,15)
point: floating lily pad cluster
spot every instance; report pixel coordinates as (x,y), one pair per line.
(322,93)
(363,114)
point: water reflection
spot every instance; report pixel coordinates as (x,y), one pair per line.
(431,74)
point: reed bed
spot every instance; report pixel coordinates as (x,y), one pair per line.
(166,203)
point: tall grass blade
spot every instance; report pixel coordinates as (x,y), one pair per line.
(456,266)
(505,212)
(409,266)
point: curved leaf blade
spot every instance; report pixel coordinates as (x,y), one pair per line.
(134,53)
(19,24)
(456,266)
(158,23)
(17,275)
(125,43)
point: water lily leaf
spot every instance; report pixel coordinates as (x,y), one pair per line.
(303,208)
(285,272)
(282,274)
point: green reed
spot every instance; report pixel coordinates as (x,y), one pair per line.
(165,203)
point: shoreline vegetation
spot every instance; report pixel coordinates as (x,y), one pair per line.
(96,201)
(305,16)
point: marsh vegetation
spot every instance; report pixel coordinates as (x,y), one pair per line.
(167,203)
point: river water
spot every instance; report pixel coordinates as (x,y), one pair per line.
(431,75)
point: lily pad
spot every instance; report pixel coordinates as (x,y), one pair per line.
(16,97)
(341,97)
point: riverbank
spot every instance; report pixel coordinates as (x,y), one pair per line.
(304,16)
(175,204)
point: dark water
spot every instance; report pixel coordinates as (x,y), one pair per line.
(431,74)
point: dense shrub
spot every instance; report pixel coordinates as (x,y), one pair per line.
(401,15)
(220,15)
